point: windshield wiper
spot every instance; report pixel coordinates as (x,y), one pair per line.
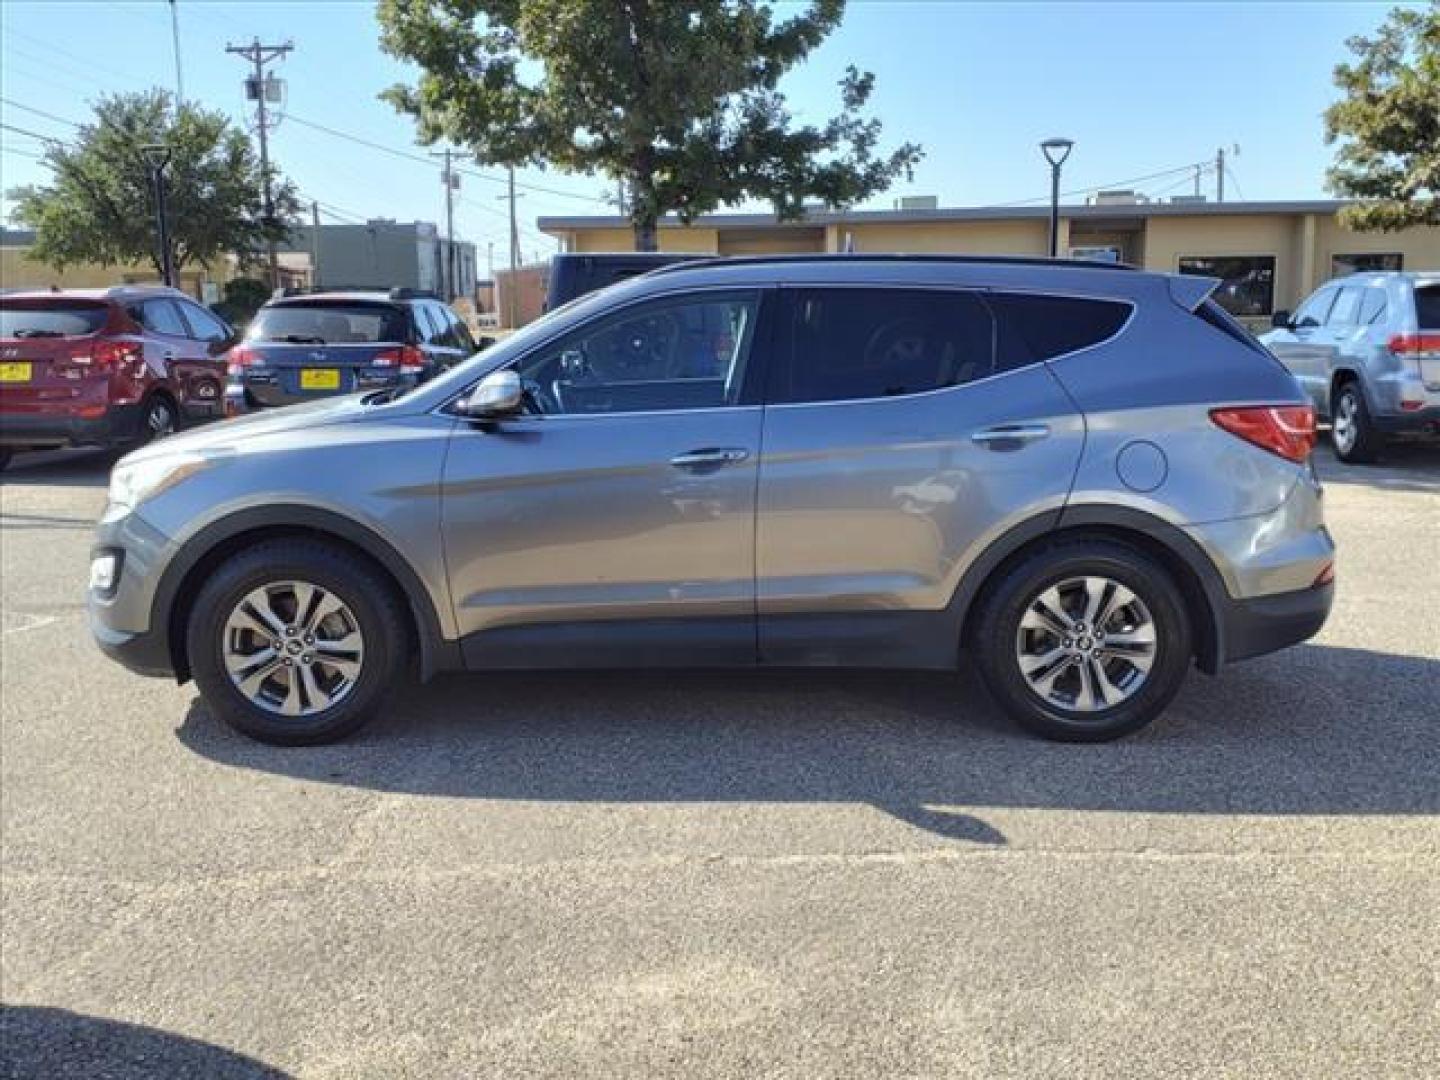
(38,333)
(301,339)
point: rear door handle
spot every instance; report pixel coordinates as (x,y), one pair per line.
(710,457)
(997,438)
(168,354)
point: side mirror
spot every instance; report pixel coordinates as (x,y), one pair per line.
(499,394)
(1280,320)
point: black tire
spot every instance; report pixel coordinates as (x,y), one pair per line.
(159,418)
(1363,444)
(995,635)
(369,596)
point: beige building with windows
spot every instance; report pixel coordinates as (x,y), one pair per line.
(1269,254)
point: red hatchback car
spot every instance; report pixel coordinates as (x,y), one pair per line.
(106,367)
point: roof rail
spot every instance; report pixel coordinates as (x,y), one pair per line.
(883,257)
(398,293)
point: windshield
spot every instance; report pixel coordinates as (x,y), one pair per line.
(328,324)
(51,318)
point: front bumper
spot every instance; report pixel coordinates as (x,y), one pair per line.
(118,424)
(1266,624)
(122,618)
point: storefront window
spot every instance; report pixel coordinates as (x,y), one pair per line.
(1247,286)
(1341,265)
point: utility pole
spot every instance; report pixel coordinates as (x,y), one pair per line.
(514,252)
(260,55)
(1197,181)
(451,183)
(314,244)
(175,35)
(1220,175)
(157,158)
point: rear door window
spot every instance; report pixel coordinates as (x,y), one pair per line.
(51,318)
(844,344)
(1372,307)
(160,317)
(329,324)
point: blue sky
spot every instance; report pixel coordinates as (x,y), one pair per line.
(1140,87)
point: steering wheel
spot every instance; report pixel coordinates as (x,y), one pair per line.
(538,400)
(896,345)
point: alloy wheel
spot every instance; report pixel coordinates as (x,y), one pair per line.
(1086,644)
(293,648)
(159,420)
(1343,427)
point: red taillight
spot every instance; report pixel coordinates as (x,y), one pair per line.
(406,358)
(239,358)
(1325,577)
(107,353)
(1413,344)
(1287,430)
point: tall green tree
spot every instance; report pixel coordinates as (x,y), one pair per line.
(99,207)
(679,99)
(1388,124)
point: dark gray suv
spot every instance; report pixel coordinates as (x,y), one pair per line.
(1085,478)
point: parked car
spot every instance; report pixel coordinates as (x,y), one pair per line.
(1367,350)
(105,367)
(1084,477)
(318,343)
(573,274)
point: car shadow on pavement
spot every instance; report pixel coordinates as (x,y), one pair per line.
(62,1045)
(61,468)
(1404,466)
(1315,730)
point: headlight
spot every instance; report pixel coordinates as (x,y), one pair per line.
(131,483)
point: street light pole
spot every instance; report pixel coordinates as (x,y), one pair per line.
(157,157)
(1056,150)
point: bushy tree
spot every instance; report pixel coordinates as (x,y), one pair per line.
(99,207)
(1388,124)
(677,98)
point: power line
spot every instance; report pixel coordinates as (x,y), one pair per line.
(88,63)
(1231,174)
(20,152)
(426,161)
(33,134)
(39,112)
(1097,187)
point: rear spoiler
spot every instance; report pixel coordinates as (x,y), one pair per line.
(1192,290)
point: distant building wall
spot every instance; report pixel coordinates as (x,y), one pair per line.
(19,271)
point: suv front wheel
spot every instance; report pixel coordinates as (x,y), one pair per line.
(1084,640)
(295,642)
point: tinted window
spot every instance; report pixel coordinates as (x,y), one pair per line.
(846,344)
(461,332)
(1346,308)
(683,353)
(205,326)
(1247,282)
(1340,265)
(1372,307)
(1427,307)
(1035,328)
(328,323)
(161,316)
(1316,310)
(51,318)
(444,328)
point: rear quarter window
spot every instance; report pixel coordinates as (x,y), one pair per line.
(51,318)
(1427,307)
(1035,327)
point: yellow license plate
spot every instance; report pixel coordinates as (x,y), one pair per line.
(15,372)
(320,379)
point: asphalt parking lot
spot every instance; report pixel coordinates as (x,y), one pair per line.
(780,875)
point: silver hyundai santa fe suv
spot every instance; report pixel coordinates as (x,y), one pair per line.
(1080,476)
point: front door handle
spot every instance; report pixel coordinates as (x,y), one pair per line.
(1010,436)
(709,458)
(168,354)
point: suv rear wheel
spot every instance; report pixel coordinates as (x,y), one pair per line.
(1351,429)
(1084,640)
(157,419)
(295,642)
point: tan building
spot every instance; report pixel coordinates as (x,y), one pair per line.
(19,271)
(1270,254)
